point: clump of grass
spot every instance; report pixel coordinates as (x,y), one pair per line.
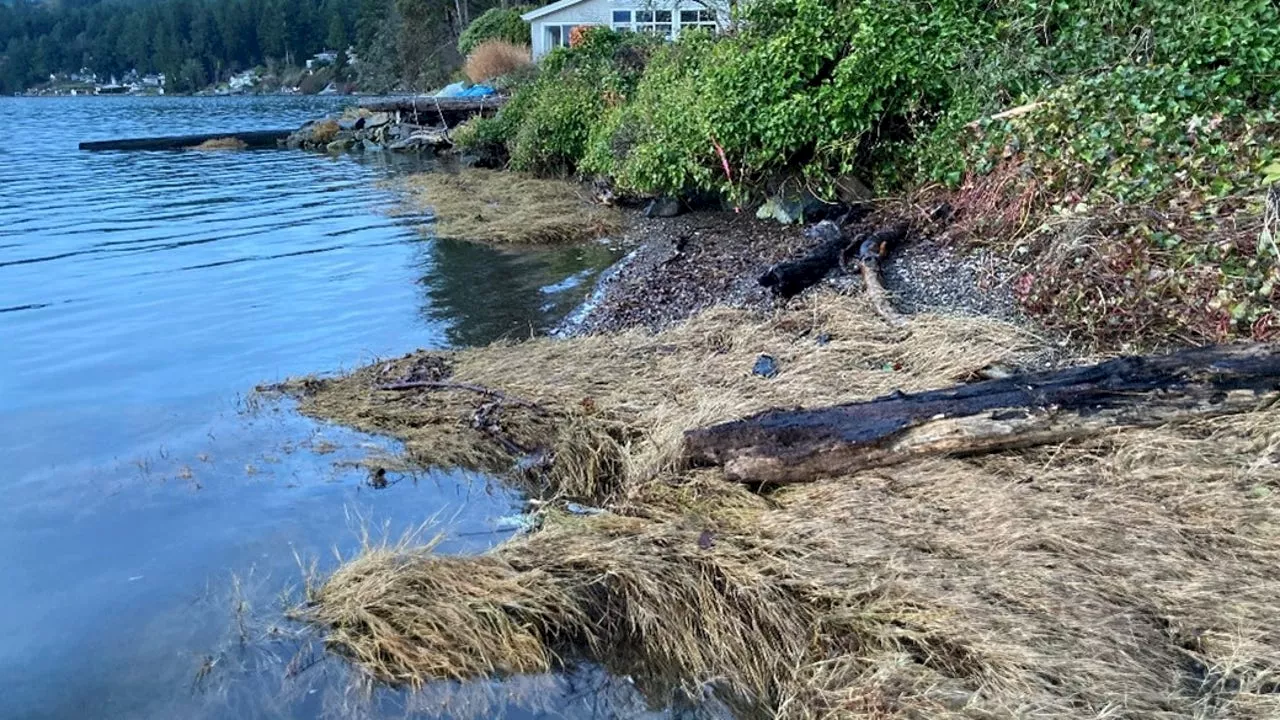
(495,58)
(635,592)
(325,131)
(440,617)
(226,143)
(509,208)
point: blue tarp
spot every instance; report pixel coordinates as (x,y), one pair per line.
(461,90)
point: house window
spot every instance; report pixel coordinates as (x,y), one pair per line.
(657,22)
(704,19)
(560,35)
(621,20)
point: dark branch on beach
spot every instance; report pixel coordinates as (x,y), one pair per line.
(466,387)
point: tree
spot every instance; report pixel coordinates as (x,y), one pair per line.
(337,37)
(272,30)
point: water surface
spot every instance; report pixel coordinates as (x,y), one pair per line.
(152,509)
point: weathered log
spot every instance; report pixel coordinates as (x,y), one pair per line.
(872,249)
(782,446)
(251,139)
(428,110)
(789,279)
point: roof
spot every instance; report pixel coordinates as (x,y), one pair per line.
(548,9)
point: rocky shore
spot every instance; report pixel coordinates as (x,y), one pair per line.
(416,124)
(681,265)
(361,130)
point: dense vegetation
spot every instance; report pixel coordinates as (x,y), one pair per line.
(1139,177)
(401,43)
(496,24)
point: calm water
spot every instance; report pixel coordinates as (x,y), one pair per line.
(151,513)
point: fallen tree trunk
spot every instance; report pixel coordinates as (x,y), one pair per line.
(251,139)
(783,446)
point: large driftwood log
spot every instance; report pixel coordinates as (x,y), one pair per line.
(251,139)
(428,110)
(782,446)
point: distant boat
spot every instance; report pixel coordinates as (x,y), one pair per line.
(112,90)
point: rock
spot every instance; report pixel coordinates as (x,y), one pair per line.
(371,146)
(825,231)
(377,120)
(406,145)
(349,124)
(663,207)
(792,207)
(853,191)
(337,147)
(774,209)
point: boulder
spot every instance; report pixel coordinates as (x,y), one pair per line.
(663,207)
(853,191)
(377,120)
(405,145)
(339,146)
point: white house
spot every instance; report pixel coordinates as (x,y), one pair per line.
(553,23)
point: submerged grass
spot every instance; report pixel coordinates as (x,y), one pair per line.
(1132,575)
(226,143)
(509,208)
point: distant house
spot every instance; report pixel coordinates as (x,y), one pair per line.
(321,59)
(552,24)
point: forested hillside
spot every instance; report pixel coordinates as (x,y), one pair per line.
(407,43)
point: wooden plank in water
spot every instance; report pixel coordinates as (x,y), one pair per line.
(251,139)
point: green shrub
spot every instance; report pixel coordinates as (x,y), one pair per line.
(659,142)
(888,91)
(495,24)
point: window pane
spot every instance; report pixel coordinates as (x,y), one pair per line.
(688,16)
(553,35)
(664,30)
(621,17)
(707,16)
(664,16)
(644,16)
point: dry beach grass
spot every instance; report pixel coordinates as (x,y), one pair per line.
(508,208)
(1132,575)
(226,143)
(495,58)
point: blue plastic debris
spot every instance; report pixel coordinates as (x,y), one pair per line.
(765,367)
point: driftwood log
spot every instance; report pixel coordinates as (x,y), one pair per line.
(251,139)
(788,279)
(428,110)
(784,446)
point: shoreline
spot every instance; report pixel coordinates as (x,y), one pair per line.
(886,589)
